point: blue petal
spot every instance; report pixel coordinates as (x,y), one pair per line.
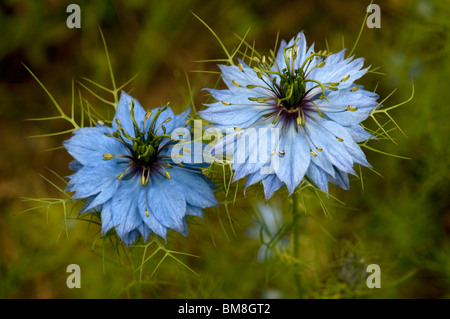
(124,206)
(87,207)
(365,102)
(271,184)
(130,237)
(179,121)
(107,217)
(105,195)
(225,115)
(254,178)
(333,150)
(88,145)
(93,179)
(150,221)
(232,73)
(336,68)
(167,202)
(123,113)
(352,148)
(145,231)
(235,98)
(75,165)
(295,162)
(359,134)
(318,176)
(194,187)
(340,179)
(194,210)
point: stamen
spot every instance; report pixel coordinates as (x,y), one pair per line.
(146,117)
(276,118)
(145,176)
(165,171)
(107,156)
(320,64)
(124,172)
(235,83)
(315,121)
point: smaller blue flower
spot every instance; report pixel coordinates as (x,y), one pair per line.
(268,227)
(127,173)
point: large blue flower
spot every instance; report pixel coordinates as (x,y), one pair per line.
(126,171)
(311,99)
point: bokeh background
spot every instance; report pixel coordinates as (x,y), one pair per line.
(399,220)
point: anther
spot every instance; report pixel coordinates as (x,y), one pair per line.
(235,83)
(313,153)
(345,78)
(165,172)
(123,173)
(351,108)
(339,139)
(225,103)
(321,64)
(146,213)
(355,89)
(107,156)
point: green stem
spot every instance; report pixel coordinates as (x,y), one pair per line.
(296,242)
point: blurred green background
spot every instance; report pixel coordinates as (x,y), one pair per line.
(400,221)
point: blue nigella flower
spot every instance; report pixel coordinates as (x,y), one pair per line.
(126,171)
(311,99)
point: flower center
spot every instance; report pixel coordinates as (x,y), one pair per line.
(144,146)
(292,89)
